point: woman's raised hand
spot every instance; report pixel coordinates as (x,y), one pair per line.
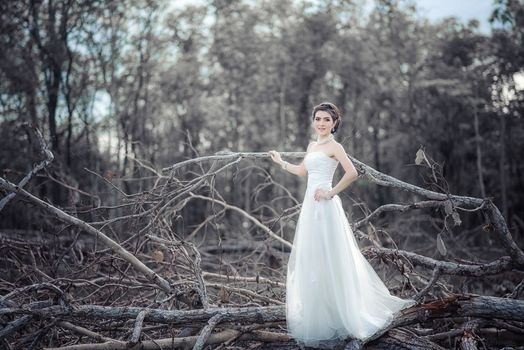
(275,156)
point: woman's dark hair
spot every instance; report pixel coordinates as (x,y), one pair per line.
(332,110)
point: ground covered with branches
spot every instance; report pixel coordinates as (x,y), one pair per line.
(128,274)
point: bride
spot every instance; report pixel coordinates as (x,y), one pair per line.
(332,291)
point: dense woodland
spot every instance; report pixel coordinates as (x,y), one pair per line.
(137,133)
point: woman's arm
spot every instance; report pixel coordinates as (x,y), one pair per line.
(350,175)
(299,170)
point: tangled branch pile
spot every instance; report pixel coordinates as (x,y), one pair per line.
(127,275)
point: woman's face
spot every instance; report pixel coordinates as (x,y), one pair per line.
(323,123)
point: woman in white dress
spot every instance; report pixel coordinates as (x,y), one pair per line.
(332,291)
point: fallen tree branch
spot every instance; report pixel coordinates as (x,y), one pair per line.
(206,331)
(494,267)
(171,343)
(245,214)
(233,279)
(15,326)
(434,277)
(382,179)
(396,207)
(137,329)
(48,158)
(117,248)
(88,333)
(456,305)
(246,292)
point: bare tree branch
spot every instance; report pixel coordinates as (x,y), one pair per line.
(150,274)
(48,158)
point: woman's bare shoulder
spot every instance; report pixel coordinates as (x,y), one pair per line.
(339,146)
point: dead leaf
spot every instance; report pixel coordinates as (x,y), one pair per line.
(157,256)
(224,295)
(456,218)
(419,157)
(448,207)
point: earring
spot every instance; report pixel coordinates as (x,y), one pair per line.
(333,130)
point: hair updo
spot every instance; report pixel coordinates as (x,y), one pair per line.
(333,111)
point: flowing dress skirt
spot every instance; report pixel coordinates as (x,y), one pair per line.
(332,291)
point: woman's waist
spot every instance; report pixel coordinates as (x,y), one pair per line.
(325,184)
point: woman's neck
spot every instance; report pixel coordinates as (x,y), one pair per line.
(324,139)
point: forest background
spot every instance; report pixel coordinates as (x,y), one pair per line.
(114,83)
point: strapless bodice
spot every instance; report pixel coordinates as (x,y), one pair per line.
(320,168)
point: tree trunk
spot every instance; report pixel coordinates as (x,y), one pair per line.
(478,138)
(282,110)
(502,165)
(53,89)
(303,116)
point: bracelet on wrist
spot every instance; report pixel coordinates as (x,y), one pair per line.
(284,165)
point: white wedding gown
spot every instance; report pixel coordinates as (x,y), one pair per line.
(332,291)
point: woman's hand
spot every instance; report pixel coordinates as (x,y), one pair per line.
(321,193)
(275,156)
